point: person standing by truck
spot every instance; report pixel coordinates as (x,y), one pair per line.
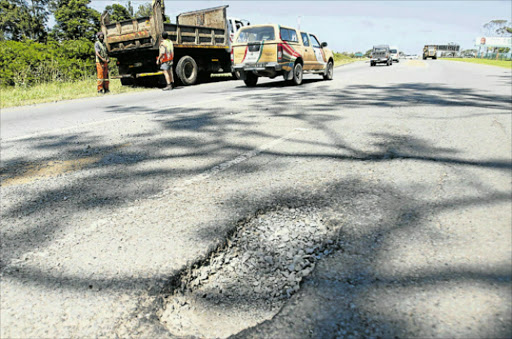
(165,59)
(102,63)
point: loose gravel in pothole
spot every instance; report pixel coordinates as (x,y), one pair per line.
(251,278)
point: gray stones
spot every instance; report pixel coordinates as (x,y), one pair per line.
(264,261)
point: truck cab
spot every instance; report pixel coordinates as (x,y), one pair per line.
(234,25)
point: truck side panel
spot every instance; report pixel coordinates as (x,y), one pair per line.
(211,17)
(194,36)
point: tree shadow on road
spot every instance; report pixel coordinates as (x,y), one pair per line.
(125,173)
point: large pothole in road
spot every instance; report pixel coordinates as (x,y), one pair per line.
(250,279)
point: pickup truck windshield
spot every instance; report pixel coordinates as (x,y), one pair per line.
(392,51)
(255,34)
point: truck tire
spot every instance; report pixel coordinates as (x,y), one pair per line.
(329,70)
(251,79)
(297,74)
(187,70)
(236,75)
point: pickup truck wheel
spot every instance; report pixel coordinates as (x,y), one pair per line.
(186,69)
(251,79)
(297,74)
(329,71)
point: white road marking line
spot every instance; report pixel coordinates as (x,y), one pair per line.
(87,230)
(227,164)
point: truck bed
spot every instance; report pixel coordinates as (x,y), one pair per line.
(144,33)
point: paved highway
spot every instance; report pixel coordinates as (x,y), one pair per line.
(376,204)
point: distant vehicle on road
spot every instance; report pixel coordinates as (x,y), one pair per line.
(430,51)
(273,50)
(381,55)
(393,50)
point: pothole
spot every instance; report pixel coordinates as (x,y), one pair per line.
(249,280)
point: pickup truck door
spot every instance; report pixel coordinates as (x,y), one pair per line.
(309,54)
(319,53)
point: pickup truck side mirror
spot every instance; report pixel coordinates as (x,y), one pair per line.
(324,44)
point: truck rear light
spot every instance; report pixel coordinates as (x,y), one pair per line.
(232,55)
(279,52)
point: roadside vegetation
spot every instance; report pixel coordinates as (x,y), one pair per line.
(58,91)
(499,63)
(344,58)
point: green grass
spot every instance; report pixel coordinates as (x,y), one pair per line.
(499,63)
(57,91)
(340,59)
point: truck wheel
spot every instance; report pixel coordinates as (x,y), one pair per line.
(372,63)
(329,70)
(186,69)
(236,75)
(251,79)
(297,74)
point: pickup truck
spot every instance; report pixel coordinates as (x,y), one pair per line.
(202,44)
(273,50)
(381,54)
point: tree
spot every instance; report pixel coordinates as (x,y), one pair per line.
(74,19)
(368,53)
(498,28)
(19,19)
(38,16)
(118,12)
(144,10)
(13,19)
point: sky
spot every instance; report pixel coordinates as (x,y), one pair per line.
(355,26)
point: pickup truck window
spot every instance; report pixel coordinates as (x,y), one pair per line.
(305,39)
(314,41)
(392,51)
(289,35)
(255,34)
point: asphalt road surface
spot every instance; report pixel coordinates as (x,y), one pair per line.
(377,204)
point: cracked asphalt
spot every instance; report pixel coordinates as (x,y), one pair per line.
(374,205)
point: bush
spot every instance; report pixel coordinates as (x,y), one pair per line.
(28,62)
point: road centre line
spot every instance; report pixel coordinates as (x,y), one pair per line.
(94,226)
(227,164)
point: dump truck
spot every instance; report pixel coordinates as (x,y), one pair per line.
(202,44)
(430,51)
